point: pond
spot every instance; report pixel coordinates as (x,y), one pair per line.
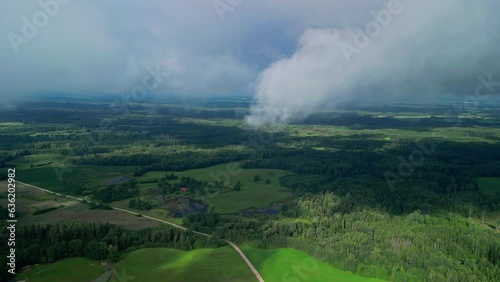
(185,206)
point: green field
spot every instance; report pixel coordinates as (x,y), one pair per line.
(293,265)
(162,264)
(253,194)
(71,269)
(489,185)
(30,200)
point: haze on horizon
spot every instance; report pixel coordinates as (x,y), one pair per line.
(292,56)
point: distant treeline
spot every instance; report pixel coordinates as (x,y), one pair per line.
(413,247)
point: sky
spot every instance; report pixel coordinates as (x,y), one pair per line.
(292,56)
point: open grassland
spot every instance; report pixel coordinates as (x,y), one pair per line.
(489,185)
(71,269)
(162,264)
(30,200)
(256,194)
(160,212)
(293,265)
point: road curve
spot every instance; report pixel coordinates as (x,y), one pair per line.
(254,270)
(247,261)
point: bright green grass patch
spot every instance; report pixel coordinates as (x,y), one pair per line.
(256,194)
(293,265)
(71,269)
(162,264)
(489,185)
(62,178)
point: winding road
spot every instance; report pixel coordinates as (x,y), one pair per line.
(247,261)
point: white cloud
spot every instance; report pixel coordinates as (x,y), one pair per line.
(429,48)
(104,46)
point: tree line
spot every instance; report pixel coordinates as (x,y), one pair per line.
(97,241)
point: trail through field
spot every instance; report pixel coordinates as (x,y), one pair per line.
(236,248)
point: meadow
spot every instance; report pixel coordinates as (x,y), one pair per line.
(221,264)
(162,264)
(287,264)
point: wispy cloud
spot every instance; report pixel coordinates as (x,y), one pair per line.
(427,48)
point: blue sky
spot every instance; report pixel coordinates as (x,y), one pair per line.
(299,53)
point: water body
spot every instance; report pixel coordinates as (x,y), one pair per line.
(116,180)
(185,206)
(272,210)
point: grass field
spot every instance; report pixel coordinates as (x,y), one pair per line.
(71,269)
(29,200)
(489,185)
(293,265)
(162,264)
(253,194)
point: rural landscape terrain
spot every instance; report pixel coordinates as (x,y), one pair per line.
(325,199)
